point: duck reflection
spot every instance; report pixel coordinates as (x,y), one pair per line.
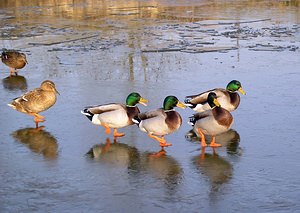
(15,82)
(216,168)
(38,141)
(163,167)
(229,139)
(116,154)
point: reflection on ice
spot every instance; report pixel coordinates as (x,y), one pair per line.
(115,154)
(158,165)
(13,82)
(229,139)
(163,167)
(216,168)
(38,141)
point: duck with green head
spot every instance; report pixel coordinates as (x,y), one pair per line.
(115,115)
(228,98)
(160,122)
(14,60)
(212,122)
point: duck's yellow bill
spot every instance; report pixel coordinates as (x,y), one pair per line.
(143,101)
(242,91)
(181,105)
(216,102)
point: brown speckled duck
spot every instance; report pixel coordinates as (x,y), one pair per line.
(162,121)
(228,98)
(36,101)
(212,122)
(14,60)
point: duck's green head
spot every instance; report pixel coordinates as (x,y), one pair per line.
(212,100)
(171,101)
(235,85)
(135,98)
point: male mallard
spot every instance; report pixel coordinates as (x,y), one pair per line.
(162,121)
(36,101)
(212,122)
(228,98)
(14,60)
(115,115)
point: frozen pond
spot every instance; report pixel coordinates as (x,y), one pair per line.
(100,51)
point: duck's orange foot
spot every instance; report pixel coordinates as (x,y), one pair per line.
(107,130)
(215,145)
(203,144)
(202,153)
(37,124)
(162,152)
(165,144)
(37,120)
(161,141)
(118,134)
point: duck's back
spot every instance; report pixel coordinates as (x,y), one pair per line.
(35,101)
(14,59)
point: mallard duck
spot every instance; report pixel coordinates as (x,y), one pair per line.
(228,98)
(162,121)
(14,60)
(212,122)
(36,101)
(115,115)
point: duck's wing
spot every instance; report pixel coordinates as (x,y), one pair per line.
(202,115)
(31,101)
(34,94)
(199,98)
(202,97)
(199,116)
(22,57)
(151,114)
(99,109)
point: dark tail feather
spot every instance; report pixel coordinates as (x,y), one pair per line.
(136,120)
(188,103)
(192,121)
(90,153)
(88,114)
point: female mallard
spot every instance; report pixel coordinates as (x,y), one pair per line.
(115,115)
(14,60)
(228,98)
(162,121)
(212,122)
(36,101)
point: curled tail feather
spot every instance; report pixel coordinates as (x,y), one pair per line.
(136,120)
(87,113)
